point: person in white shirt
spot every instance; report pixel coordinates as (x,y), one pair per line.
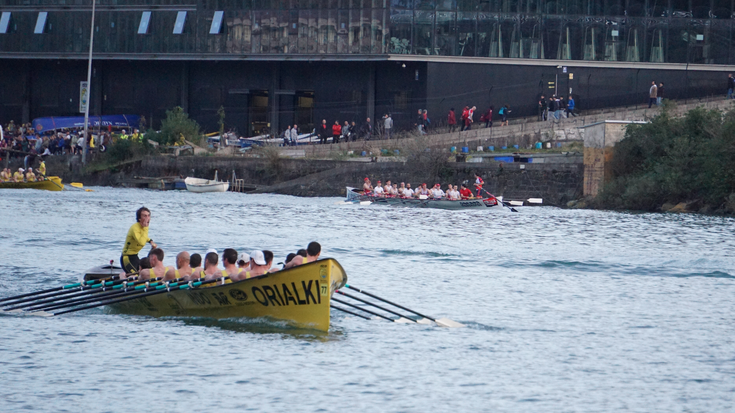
(408,192)
(401,189)
(453,193)
(378,189)
(437,192)
(388,188)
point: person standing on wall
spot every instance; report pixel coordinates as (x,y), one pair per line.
(336,132)
(660,93)
(388,125)
(323,132)
(570,107)
(452,120)
(652,94)
(730,86)
(367,129)
(542,108)
(294,134)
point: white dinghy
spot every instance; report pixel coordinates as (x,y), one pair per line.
(205,185)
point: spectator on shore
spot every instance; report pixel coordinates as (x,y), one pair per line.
(387,125)
(465,114)
(652,94)
(487,117)
(570,107)
(336,132)
(286,135)
(323,132)
(367,129)
(503,112)
(730,88)
(451,120)
(542,108)
(660,92)
(420,123)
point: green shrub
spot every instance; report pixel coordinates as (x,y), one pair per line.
(176,125)
(673,160)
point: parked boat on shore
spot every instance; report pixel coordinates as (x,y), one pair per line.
(355,195)
(205,185)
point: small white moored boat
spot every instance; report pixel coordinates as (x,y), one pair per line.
(206,185)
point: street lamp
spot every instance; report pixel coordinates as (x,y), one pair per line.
(89,86)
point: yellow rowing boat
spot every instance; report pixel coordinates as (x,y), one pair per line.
(299,295)
(53,183)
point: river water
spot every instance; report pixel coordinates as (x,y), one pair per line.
(566,310)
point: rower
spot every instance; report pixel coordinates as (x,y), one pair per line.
(157,270)
(465,192)
(229,260)
(18,176)
(4,175)
(388,188)
(243,261)
(183,268)
(408,192)
(313,250)
(135,241)
(379,189)
(195,262)
(437,192)
(260,265)
(423,191)
(367,187)
(30,176)
(210,271)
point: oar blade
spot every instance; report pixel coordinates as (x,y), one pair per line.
(41,314)
(424,321)
(404,320)
(445,322)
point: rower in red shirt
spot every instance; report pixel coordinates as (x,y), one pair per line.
(465,192)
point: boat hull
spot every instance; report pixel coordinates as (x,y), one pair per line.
(53,183)
(204,185)
(353,195)
(299,296)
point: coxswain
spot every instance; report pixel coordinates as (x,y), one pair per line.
(18,176)
(367,187)
(379,189)
(30,176)
(465,192)
(157,270)
(313,250)
(183,268)
(229,260)
(135,241)
(478,185)
(42,169)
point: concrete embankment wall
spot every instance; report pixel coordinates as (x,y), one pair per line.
(556,183)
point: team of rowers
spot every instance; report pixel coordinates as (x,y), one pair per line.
(21,175)
(192,267)
(453,193)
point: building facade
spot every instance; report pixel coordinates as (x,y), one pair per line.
(271,63)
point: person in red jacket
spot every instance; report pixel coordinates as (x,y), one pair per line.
(336,132)
(465,115)
(451,120)
(465,192)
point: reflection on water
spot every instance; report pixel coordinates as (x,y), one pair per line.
(566,310)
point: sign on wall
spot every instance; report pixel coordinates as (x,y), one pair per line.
(83,97)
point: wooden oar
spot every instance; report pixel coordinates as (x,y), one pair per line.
(349,312)
(97,295)
(368,311)
(444,322)
(66,287)
(134,295)
(61,295)
(402,317)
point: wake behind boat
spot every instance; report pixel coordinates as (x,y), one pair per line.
(490,203)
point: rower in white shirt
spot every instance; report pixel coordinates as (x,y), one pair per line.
(408,192)
(437,192)
(378,191)
(388,188)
